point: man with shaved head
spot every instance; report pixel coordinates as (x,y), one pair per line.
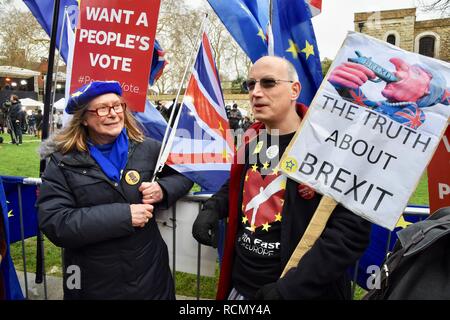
(269,213)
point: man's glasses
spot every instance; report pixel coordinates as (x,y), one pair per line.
(106,110)
(265,83)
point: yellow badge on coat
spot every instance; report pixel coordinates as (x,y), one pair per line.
(132,177)
(258,147)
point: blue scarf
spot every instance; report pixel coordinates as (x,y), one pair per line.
(112,158)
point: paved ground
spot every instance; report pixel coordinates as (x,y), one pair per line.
(37,292)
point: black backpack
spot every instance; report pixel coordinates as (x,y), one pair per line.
(419,265)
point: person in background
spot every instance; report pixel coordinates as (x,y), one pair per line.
(39,118)
(235,117)
(17,118)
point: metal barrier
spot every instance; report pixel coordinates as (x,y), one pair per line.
(168,220)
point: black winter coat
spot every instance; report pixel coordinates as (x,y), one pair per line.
(322,272)
(15,112)
(88,215)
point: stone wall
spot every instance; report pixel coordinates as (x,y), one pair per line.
(440,27)
(402,23)
(380,24)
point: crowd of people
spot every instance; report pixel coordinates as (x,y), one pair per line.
(16,121)
(237,121)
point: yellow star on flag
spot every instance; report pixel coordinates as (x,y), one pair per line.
(275,170)
(402,223)
(246,177)
(265,165)
(243,207)
(266,226)
(252,228)
(244,219)
(278,217)
(308,49)
(254,167)
(224,154)
(220,126)
(282,201)
(283,184)
(261,34)
(10,214)
(293,48)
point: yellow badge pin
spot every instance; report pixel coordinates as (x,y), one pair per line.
(132,177)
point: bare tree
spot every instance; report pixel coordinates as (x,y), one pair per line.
(23,41)
(178,27)
(442,6)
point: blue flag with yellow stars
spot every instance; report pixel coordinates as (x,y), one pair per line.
(294,39)
(247,21)
(9,284)
(25,201)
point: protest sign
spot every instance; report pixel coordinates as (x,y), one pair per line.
(439,175)
(114,41)
(372,128)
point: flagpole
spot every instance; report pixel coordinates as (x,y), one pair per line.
(57,68)
(164,143)
(270,40)
(270,12)
(45,123)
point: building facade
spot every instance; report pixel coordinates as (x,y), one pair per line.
(400,28)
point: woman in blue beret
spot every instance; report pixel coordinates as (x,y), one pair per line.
(96,202)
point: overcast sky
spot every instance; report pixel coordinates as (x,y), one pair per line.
(337,16)
(336,19)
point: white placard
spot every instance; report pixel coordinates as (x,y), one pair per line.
(186,251)
(364,150)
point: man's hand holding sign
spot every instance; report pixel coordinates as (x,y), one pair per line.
(365,144)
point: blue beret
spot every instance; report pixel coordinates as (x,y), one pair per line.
(90,91)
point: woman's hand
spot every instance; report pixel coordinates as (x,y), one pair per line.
(151,192)
(140,214)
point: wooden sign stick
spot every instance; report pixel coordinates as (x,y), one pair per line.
(313,231)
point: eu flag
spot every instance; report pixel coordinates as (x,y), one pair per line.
(42,10)
(294,39)
(25,202)
(247,21)
(9,284)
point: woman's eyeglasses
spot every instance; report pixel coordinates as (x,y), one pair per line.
(265,83)
(106,110)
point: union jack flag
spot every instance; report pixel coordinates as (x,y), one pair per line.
(315,6)
(202,146)
(411,116)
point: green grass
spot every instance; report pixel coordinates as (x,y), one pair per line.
(420,196)
(23,160)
